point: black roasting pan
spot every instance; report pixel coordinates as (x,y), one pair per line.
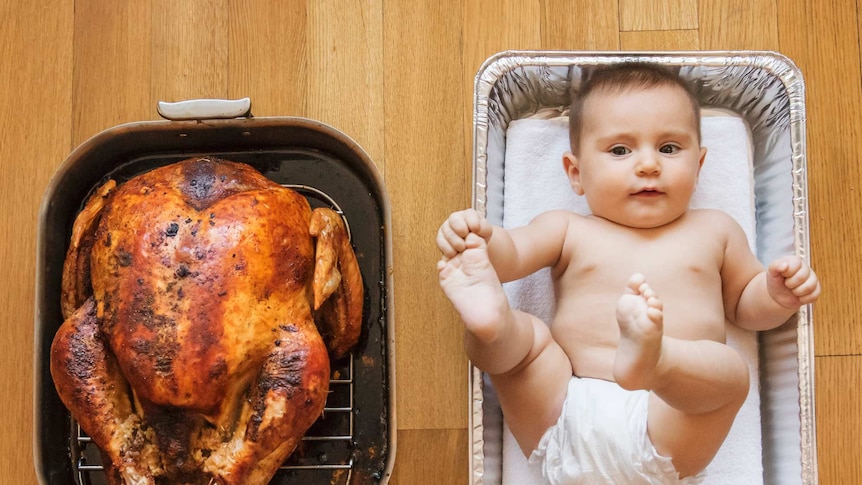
(354,441)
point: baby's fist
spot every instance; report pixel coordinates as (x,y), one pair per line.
(791,282)
(452,235)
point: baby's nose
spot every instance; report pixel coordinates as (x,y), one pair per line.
(648,164)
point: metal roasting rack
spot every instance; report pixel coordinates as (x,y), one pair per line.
(88,469)
(327,447)
(323,197)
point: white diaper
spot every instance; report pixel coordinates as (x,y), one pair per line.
(601,438)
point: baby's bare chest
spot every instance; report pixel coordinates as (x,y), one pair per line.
(678,253)
(681,264)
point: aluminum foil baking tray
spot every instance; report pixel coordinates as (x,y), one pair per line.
(768,91)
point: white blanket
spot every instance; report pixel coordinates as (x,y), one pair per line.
(535,182)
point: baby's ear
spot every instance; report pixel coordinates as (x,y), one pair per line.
(570,165)
(702,158)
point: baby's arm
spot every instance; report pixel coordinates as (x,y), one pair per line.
(758,298)
(775,294)
(513,253)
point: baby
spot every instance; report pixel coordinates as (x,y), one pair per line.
(632,382)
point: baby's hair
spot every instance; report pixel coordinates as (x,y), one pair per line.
(619,78)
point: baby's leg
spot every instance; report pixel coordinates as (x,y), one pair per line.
(640,317)
(697,386)
(529,370)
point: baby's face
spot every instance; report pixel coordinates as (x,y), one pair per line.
(639,156)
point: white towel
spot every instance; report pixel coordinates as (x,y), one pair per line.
(535,182)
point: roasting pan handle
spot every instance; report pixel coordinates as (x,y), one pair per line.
(205,109)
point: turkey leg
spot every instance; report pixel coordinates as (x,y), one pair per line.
(91,385)
(285,399)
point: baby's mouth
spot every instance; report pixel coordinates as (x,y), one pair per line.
(648,192)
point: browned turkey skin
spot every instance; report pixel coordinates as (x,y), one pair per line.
(192,295)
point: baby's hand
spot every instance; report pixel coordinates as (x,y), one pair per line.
(453,232)
(791,282)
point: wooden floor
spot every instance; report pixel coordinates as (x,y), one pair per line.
(397,77)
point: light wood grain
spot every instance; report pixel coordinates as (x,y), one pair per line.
(660,40)
(812,34)
(658,15)
(397,77)
(318,60)
(738,25)
(424,103)
(267,56)
(345,82)
(492,26)
(189,49)
(35,99)
(839,405)
(112,68)
(425,457)
(583,25)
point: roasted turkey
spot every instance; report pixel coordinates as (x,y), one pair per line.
(202,304)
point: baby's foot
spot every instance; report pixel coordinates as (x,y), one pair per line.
(639,315)
(471,284)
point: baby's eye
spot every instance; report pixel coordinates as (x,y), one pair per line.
(669,149)
(619,150)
